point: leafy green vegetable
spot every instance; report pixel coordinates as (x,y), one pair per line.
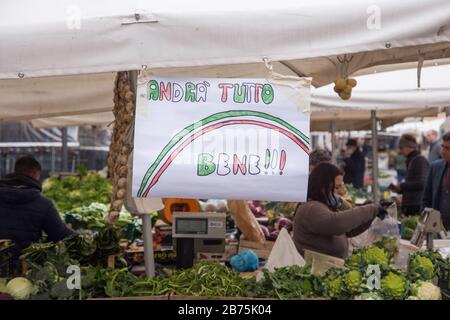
(288,282)
(76,191)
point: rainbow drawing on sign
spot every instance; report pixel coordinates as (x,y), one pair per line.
(213,122)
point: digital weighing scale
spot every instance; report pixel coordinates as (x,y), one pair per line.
(197,232)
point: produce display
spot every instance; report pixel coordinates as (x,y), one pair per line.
(46,278)
(92,217)
(47,263)
(76,191)
(354,193)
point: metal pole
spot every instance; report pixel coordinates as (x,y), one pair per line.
(375,190)
(333,142)
(64,151)
(148,245)
(149,259)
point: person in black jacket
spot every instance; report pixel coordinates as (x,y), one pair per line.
(437,190)
(24,212)
(355,164)
(416,175)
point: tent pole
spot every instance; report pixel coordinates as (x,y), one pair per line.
(333,142)
(375,190)
(148,245)
(64,150)
(149,259)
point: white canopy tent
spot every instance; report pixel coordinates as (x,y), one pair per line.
(68,51)
(55,53)
(394,95)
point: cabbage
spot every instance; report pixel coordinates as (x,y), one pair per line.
(19,288)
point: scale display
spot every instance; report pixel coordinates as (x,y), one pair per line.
(191,226)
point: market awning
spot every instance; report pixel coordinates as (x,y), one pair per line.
(82,36)
(61,62)
(394,95)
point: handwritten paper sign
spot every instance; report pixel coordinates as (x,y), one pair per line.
(221,139)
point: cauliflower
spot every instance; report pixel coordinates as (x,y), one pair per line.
(425,290)
(375,255)
(394,286)
(420,267)
(353,280)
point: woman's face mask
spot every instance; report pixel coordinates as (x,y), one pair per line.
(333,201)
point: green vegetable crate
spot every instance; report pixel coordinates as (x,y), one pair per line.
(7,269)
(444,282)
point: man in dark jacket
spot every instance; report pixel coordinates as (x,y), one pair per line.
(355,164)
(437,190)
(24,212)
(416,175)
(432,137)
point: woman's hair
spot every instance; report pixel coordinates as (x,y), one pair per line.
(321,181)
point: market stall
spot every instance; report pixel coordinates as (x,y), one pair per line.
(64,76)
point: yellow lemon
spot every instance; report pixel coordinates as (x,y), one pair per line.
(344,96)
(340,83)
(352,82)
(347,89)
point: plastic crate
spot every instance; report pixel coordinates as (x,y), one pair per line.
(7,266)
(444,282)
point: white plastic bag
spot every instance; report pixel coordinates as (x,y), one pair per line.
(283,254)
(388,227)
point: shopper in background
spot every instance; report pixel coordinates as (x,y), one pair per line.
(432,137)
(24,213)
(355,164)
(416,175)
(319,226)
(437,191)
(317,156)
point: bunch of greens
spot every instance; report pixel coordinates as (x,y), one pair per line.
(409,224)
(209,279)
(87,217)
(48,262)
(355,193)
(287,283)
(75,191)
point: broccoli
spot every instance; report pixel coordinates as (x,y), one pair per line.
(421,267)
(333,283)
(375,255)
(425,290)
(353,280)
(390,245)
(394,286)
(355,261)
